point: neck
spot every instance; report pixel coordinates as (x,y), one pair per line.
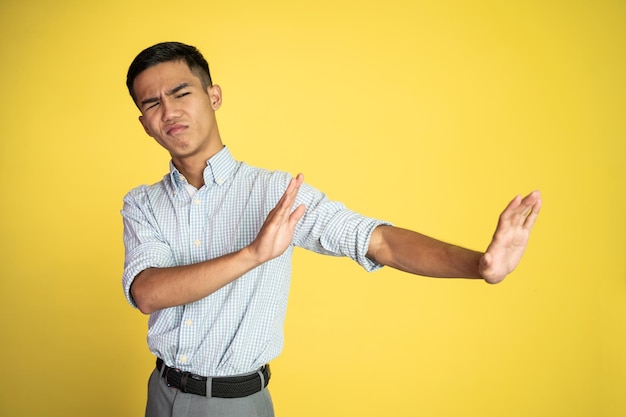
(192,167)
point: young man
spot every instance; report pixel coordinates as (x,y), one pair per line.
(208,248)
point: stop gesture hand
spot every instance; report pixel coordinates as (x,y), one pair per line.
(510,238)
(277,231)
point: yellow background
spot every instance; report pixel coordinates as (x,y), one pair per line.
(429,114)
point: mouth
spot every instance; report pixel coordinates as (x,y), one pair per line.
(175,129)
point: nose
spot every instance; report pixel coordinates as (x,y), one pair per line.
(169,110)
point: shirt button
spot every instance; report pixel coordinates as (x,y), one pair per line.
(197,242)
(183,359)
(196,201)
(220,181)
(188,322)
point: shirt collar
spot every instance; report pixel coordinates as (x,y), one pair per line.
(220,167)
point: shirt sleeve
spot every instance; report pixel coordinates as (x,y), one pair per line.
(144,246)
(328,227)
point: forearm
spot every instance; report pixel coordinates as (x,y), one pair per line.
(157,288)
(419,254)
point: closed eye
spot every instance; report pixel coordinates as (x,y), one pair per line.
(177,92)
(149,103)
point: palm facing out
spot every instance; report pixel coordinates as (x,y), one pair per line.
(510,238)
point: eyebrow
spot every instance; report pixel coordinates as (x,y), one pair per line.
(167,93)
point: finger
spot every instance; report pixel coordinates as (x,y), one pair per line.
(519,210)
(297,182)
(284,205)
(529,204)
(531,200)
(290,191)
(289,197)
(510,215)
(297,214)
(534,210)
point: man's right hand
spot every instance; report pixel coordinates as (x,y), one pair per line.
(157,288)
(277,231)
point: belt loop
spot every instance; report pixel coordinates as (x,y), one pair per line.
(260,372)
(163,368)
(184,377)
(209,387)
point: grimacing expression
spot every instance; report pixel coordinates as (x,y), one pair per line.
(176,110)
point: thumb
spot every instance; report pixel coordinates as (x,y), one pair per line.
(297,214)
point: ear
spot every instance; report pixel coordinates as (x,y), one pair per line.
(144,125)
(215,95)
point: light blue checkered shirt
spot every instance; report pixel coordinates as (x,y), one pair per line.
(238,328)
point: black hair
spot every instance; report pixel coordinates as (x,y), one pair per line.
(168,52)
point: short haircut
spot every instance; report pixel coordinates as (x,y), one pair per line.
(168,52)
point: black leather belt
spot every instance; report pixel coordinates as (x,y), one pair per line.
(221,387)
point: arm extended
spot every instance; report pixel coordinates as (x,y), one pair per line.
(418,254)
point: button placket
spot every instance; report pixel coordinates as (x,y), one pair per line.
(188,329)
(195,210)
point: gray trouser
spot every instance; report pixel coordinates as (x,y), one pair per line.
(164,401)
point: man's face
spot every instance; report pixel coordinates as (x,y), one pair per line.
(177,112)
